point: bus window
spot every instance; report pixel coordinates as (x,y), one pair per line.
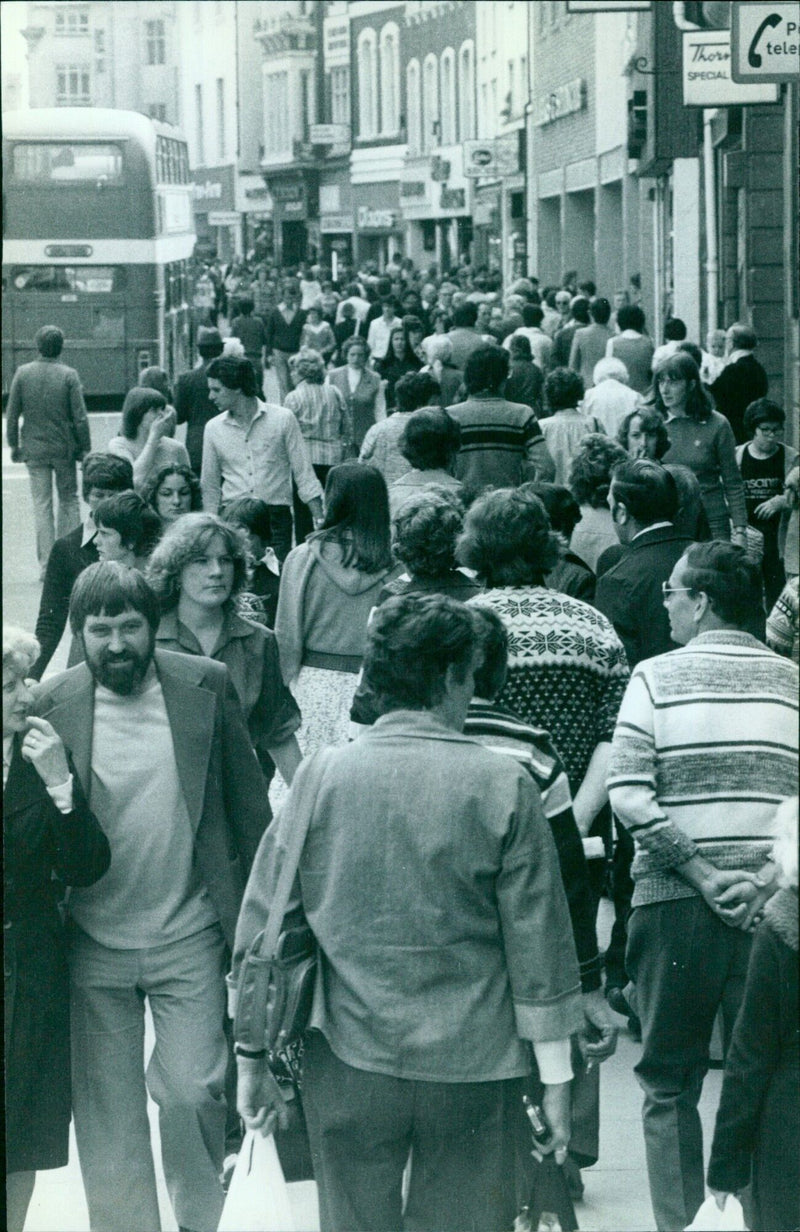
(108,324)
(46,162)
(81,279)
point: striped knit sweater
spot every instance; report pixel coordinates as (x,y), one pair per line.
(704,751)
(503,732)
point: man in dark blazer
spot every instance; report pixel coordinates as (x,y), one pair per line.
(104,474)
(742,380)
(161,749)
(192,403)
(644,501)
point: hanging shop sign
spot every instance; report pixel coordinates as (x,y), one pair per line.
(765,42)
(607,6)
(336,42)
(491,158)
(291,191)
(707,80)
(335,222)
(563,101)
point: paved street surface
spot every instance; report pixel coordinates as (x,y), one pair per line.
(616,1197)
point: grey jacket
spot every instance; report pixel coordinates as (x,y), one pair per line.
(46,395)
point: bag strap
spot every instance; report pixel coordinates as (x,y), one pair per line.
(303,806)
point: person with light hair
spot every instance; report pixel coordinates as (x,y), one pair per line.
(325,421)
(441,367)
(50,840)
(611,398)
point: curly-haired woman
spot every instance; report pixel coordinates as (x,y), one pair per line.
(425,533)
(590,484)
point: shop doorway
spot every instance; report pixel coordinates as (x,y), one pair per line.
(294,243)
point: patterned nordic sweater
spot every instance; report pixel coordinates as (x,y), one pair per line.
(567,669)
(704,751)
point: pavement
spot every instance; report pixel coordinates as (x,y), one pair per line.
(616,1197)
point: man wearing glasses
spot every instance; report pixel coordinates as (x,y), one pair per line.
(704,751)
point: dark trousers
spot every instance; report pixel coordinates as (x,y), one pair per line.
(686,965)
(362,1127)
(303,521)
(622,893)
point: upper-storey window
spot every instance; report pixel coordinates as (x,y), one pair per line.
(466,91)
(155,39)
(413,107)
(367,85)
(448,96)
(390,79)
(430,102)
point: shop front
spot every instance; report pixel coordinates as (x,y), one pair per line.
(378,223)
(435,201)
(336,218)
(294,204)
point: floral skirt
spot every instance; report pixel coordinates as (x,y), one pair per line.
(324,698)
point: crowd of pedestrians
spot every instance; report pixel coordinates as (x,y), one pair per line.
(498,606)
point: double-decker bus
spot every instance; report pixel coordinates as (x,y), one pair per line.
(97,239)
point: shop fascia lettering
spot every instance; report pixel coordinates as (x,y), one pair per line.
(375,220)
(210,191)
(562,101)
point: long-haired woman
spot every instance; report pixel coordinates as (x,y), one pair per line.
(329,585)
(703,440)
(145,438)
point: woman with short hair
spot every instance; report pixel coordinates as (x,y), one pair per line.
(127,529)
(565,426)
(145,438)
(644,434)
(590,484)
(425,533)
(325,422)
(567,666)
(197,571)
(430,442)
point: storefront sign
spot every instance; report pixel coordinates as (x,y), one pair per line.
(607,6)
(328,134)
(223,218)
(295,208)
(336,42)
(765,42)
(375,220)
(292,191)
(707,80)
(256,194)
(210,191)
(563,101)
(335,222)
(413,188)
(453,198)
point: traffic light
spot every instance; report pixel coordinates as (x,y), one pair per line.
(708,14)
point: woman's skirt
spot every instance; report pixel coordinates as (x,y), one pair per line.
(324,698)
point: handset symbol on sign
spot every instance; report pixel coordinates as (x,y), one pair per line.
(753,57)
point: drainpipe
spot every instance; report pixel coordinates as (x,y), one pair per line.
(710,187)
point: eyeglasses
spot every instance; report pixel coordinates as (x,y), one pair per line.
(770,429)
(666,589)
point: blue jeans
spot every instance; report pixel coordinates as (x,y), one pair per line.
(184,983)
(686,964)
(69,513)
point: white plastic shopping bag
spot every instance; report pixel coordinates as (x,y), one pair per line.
(258,1198)
(711,1219)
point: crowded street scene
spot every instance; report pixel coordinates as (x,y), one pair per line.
(401,498)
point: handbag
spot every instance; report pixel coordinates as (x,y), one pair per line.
(271,1001)
(257,1199)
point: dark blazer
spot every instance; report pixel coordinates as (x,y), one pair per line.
(629,593)
(735,388)
(39,840)
(223,786)
(194,408)
(66,560)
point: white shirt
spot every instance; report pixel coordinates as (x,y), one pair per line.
(378,335)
